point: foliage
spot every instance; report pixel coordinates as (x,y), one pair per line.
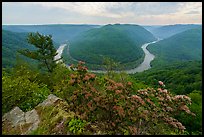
(104,42)
(53,119)
(57,78)
(180,78)
(76,126)
(22,90)
(170,30)
(11,43)
(45,52)
(183,46)
(120,66)
(60,32)
(193,124)
(111,103)
(115,104)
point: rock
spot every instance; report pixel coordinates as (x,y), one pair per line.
(15,116)
(33,118)
(27,122)
(18,122)
(49,101)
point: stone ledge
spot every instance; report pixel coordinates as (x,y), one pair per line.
(17,118)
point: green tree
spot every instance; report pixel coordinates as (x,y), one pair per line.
(45,52)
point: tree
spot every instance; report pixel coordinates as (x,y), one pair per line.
(45,52)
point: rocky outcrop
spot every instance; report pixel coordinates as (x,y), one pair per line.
(49,101)
(18,122)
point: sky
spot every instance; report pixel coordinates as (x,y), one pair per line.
(141,13)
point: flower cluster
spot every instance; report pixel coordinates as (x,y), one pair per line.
(140,100)
(119,105)
(175,123)
(161,83)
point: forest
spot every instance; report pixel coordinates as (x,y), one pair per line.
(164,100)
(120,42)
(184,46)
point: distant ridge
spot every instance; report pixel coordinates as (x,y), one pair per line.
(120,42)
(170,30)
(183,46)
(60,32)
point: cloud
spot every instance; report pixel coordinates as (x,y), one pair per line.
(193,12)
(101,12)
(114,9)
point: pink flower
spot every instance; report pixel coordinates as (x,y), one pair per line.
(185,108)
(93,89)
(180,126)
(92,75)
(129,83)
(97,99)
(114,87)
(72,81)
(168,97)
(186,97)
(120,85)
(164,91)
(169,109)
(86,78)
(159,89)
(118,91)
(138,98)
(115,107)
(109,88)
(85,68)
(89,105)
(87,95)
(122,96)
(111,81)
(161,83)
(81,62)
(73,76)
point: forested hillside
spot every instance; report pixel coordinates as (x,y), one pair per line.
(111,103)
(11,43)
(60,32)
(180,78)
(120,42)
(151,28)
(170,30)
(184,46)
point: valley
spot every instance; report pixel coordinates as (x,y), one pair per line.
(142,60)
(145,65)
(102,68)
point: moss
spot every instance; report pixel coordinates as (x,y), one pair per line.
(51,116)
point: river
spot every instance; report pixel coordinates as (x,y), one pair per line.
(59,51)
(145,65)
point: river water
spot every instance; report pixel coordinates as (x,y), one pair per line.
(59,51)
(145,65)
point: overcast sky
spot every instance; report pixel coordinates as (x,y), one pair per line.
(142,13)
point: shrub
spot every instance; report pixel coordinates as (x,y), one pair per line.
(22,91)
(76,126)
(118,105)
